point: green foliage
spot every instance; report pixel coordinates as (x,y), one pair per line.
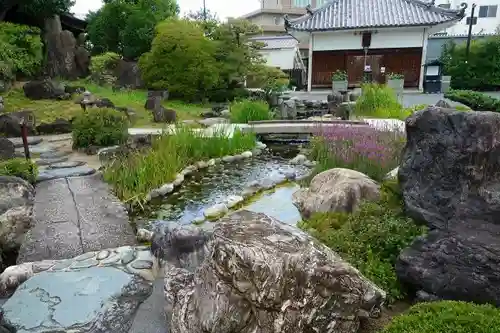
(206,19)
(339,75)
(127,27)
(447,317)
(181,60)
(133,176)
(268,78)
(20,48)
(99,127)
(379,101)
(370,239)
(475,100)
(42,9)
(246,110)
(104,62)
(482,69)
(19,167)
(395,76)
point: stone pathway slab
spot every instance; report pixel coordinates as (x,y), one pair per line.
(32,140)
(74,216)
(50,161)
(49,174)
(65,164)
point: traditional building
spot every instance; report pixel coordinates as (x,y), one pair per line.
(387,35)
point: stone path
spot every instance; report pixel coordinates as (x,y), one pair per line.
(75,215)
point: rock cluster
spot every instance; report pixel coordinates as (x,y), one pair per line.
(261,275)
(450,182)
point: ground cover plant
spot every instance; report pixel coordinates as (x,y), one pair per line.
(371,238)
(247,110)
(137,173)
(19,167)
(379,101)
(99,127)
(362,148)
(475,100)
(446,317)
(49,110)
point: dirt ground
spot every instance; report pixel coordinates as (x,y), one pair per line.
(376,325)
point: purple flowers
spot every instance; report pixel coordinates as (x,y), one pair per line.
(358,147)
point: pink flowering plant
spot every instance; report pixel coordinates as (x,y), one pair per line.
(365,149)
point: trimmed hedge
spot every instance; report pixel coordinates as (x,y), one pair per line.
(447,317)
(475,100)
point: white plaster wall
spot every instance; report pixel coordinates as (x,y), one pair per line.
(381,39)
(485,25)
(282,58)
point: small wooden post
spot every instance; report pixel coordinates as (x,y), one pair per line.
(24,135)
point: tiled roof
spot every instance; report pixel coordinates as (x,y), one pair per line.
(352,14)
(276,42)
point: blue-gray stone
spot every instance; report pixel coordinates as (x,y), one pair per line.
(103,255)
(49,161)
(53,154)
(63,164)
(62,265)
(142,264)
(49,174)
(103,298)
(39,149)
(18,142)
(128,257)
(85,263)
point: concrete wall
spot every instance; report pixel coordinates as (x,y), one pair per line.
(383,38)
(484,25)
(282,58)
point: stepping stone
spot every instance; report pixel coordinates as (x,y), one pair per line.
(49,174)
(18,142)
(49,161)
(53,154)
(64,164)
(39,149)
(47,302)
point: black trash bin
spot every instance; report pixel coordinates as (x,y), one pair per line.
(432,77)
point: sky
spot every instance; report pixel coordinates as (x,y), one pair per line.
(223,8)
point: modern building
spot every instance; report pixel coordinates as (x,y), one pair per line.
(386,36)
(486,16)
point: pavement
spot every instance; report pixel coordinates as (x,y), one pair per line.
(74,215)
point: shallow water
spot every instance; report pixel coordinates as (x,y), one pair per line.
(214,184)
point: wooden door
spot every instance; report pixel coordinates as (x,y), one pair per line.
(376,61)
(355,68)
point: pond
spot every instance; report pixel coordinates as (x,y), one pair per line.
(213,185)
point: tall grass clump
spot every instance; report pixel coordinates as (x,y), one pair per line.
(361,148)
(379,101)
(247,110)
(137,173)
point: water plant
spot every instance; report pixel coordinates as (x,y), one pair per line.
(135,174)
(247,110)
(366,149)
(379,101)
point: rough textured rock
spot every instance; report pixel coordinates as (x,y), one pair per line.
(58,126)
(108,285)
(443,104)
(7,149)
(163,115)
(262,275)
(2,104)
(10,123)
(128,75)
(335,190)
(449,181)
(16,211)
(43,89)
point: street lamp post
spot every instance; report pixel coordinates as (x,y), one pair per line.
(469,36)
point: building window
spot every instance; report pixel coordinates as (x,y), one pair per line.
(474,21)
(444,5)
(488,11)
(301,3)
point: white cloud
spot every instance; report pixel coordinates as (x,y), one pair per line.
(223,8)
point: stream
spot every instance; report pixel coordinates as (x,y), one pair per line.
(211,186)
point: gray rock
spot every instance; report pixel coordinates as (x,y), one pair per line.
(16,211)
(51,161)
(53,154)
(49,174)
(10,123)
(47,301)
(443,104)
(253,264)
(212,121)
(39,149)
(449,181)
(7,149)
(64,165)
(299,159)
(32,141)
(335,190)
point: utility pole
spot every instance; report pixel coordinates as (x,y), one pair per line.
(205,11)
(469,36)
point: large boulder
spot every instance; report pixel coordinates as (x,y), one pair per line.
(58,126)
(44,89)
(450,182)
(335,190)
(10,123)
(128,75)
(7,149)
(261,275)
(16,211)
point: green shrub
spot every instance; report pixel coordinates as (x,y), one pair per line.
(339,75)
(133,176)
(370,239)
(21,48)
(19,167)
(99,127)
(246,110)
(447,317)
(475,100)
(267,78)
(379,101)
(105,62)
(181,60)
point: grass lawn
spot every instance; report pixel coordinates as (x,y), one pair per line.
(49,110)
